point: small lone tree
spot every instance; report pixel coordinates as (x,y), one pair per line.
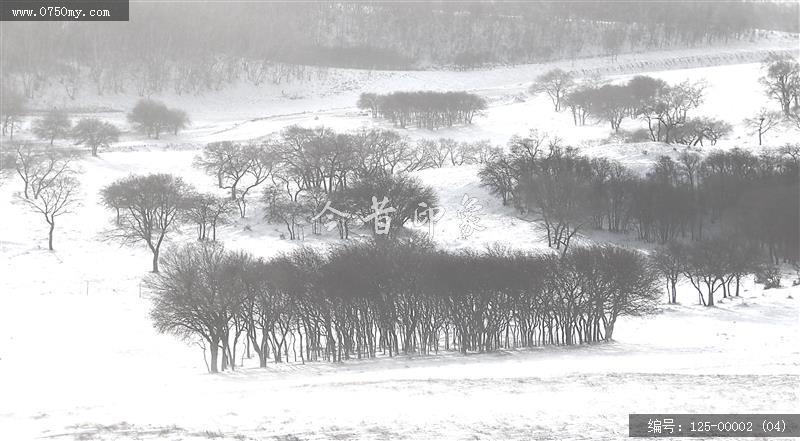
(55,200)
(556,84)
(55,124)
(149,207)
(38,168)
(764,121)
(94,134)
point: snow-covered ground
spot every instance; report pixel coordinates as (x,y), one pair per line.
(79,358)
(78,365)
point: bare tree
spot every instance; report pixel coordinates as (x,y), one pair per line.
(557,188)
(669,262)
(794,116)
(764,121)
(696,130)
(280,207)
(782,82)
(610,102)
(54,200)
(227,161)
(369,101)
(176,119)
(150,207)
(434,151)
(38,168)
(197,295)
(556,84)
(258,168)
(207,211)
(664,107)
(55,124)
(403,194)
(95,134)
(499,177)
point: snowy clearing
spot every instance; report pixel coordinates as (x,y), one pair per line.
(79,358)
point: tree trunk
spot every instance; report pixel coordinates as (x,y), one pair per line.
(50,235)
(214,355)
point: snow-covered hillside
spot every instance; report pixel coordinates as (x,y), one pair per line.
(79,358)
(329,98)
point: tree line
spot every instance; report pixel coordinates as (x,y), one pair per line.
(148,116)
(425,109)
(56,124)
(667,109)
(712,265)
(752,198)
(393,297)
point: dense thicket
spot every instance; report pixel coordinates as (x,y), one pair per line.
(426,109)
(665,108)
(190,50)
(752,199)
(305,169)
(366,299)
(153,117)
